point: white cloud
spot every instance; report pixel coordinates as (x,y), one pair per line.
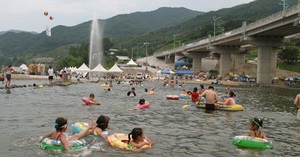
(28,14)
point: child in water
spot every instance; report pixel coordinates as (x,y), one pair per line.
(138,138)
(61,125)
(255,123)
(101,125)
(92,101)
(132,92)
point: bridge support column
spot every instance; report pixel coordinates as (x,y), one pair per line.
(225,63)
(266,67)
(239,61)
(197,60)
(169,60)
(225,57)
(267,58)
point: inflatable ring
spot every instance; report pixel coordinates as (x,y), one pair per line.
(86,101)
(151,93)
(80,126)
(184,96)
(49,144)
(235,107)
(105,85)
(119,140)
(141,106)
(252,142)
(172,97)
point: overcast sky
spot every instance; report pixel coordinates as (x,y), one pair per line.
(28,15)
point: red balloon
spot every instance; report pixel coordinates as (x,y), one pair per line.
(51,17)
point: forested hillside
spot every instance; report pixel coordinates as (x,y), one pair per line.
(14,46)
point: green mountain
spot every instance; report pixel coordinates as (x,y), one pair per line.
(202,25)
(17,47)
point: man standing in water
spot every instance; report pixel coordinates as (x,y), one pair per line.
(297,105)
(211,98)
(50,75)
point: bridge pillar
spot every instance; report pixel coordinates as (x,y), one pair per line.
(225,63)
(225,57)
(169,59)
(197,60)
(267,58)
(266,67)
(239,61)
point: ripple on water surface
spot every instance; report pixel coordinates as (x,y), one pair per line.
(29,113)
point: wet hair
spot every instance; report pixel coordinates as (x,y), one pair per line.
(135,133)
(202,87)
(231,94)
(195,89)
(92,95)
(211,87)
(256,121)
(60,123)
(34,85)
(132,88)
(142,101)
(146,90)
(188,92)
(102,122)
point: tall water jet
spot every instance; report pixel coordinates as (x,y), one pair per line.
(96,50)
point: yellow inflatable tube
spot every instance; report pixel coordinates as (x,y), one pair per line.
(235,107)
(119,140)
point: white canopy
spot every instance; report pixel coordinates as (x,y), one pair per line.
(73,69)
(24,67)
(99,68)
(83,68)
(131,62)
(115,69)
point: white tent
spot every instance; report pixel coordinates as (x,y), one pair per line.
(131,62)
(83,68)
(24,67)
(115,69)
(99,68)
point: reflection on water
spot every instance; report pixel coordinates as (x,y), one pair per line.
(27,113)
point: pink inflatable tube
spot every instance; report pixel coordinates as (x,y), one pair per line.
(141,106)
(86,101)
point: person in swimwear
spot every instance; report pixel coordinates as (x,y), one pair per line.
(255,123)
(9,71)
(229,101)
(297,102)
(101,125)
(132,92)
(138,138)
(92,101)
(61,126)
(211,98)
(195,95)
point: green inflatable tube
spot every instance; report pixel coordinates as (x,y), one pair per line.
(252,142)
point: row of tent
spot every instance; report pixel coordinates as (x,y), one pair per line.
(98,68)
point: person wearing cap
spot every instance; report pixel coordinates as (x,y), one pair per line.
(230,100)
(211,98)
(255,124)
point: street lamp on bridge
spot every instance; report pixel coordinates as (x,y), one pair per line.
(146,43)
(175,35)
(215,19)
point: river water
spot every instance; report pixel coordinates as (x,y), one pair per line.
(26,114)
